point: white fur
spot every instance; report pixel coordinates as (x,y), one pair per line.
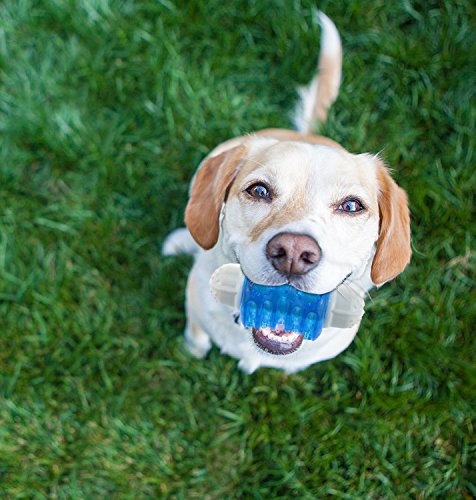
(330,41)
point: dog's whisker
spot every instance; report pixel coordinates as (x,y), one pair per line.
(340,293)
(363,290)
(247,158)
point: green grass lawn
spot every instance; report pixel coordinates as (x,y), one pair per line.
(106,108)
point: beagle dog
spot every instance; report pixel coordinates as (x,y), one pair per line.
(291,208)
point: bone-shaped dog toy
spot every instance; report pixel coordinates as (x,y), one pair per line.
(285,307)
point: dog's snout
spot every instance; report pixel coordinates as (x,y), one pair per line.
(293,253)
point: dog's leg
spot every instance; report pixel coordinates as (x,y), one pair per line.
(179,241)
(197,341)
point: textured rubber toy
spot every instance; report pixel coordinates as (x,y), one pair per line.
(283,307)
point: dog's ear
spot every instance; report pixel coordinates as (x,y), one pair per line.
(393,245)
(209,190)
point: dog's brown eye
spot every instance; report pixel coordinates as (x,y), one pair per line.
(351,206)
(259,191)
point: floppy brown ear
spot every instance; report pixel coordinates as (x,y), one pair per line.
(393,244)
(209,191)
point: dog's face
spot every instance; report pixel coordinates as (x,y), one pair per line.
(302,214)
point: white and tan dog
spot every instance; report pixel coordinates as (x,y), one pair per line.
(290,207)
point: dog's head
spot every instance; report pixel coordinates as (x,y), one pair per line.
(309,215)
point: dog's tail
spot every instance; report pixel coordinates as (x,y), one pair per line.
(317,97)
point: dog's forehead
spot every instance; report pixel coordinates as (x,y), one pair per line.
(292,164)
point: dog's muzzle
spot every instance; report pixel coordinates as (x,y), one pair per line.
(281,317)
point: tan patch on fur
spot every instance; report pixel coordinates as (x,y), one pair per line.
(292,135)
(393,244)
(281,216)
(229,144)
(329,71)
(278,134)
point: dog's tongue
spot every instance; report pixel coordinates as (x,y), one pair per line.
(280,330)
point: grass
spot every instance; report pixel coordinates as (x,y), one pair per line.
(106,108)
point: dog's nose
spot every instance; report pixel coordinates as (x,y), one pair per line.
(293,253)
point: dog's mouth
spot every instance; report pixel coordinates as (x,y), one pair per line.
(277,342)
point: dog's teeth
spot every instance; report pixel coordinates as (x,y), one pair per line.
(287,338)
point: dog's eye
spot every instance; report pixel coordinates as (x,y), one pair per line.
(351,205)
(259,191)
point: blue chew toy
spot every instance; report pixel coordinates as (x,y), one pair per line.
(283,307)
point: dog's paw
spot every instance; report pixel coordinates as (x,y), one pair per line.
(248,366)
(179,241)
(197,342)
(197,350)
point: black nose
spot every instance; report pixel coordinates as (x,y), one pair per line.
(293,253)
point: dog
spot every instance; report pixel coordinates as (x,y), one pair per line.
(291,208)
